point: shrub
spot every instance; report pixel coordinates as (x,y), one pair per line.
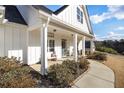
(98,56)
(83,63)
(14,74)
(14,79)
(72,65)
(122,53)
(106,49)
(7,64)
(62,75)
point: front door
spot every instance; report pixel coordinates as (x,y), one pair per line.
(64,47)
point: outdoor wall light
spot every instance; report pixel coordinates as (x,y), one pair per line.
(54,30)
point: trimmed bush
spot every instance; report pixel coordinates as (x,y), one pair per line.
(62,75)
(98,56)
(72,65)
(15,75)
(14,79)
(83,63)
(106,49)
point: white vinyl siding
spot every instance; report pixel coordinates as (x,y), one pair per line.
(34,48)
(69,15)
(13,41)
(1,41)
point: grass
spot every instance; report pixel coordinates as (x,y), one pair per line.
(116,63)
(106,49)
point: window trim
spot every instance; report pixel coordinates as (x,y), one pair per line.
(79,15)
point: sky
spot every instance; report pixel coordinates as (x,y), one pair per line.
(53,7)
(107,21)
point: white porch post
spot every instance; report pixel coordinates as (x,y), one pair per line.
(91,46)
(83,46)
(44,50)
(27,44)
(75,47)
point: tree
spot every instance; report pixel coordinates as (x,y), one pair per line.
(116,45)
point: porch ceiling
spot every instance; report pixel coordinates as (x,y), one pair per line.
(65,32)
(63,25)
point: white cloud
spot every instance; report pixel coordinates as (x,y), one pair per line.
(120,28)
(111,33)
(97,37)
(97,19)
(110,36)
(113,12)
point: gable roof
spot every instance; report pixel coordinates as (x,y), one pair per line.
(60,9)
(13,15)
(89,22)
(45,9)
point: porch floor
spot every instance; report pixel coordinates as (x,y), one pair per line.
(37,66)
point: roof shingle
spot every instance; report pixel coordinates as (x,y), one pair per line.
(13,15)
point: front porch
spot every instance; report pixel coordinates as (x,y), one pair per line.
(56,41)
(37,66)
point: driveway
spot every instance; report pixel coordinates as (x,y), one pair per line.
(98,76)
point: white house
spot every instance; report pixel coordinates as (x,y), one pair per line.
(34,32)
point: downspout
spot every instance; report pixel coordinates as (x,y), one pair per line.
(47,23)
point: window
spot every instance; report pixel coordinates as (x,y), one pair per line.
(79,15)
(51,45)
(87,44)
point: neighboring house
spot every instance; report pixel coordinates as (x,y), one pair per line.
(35,32)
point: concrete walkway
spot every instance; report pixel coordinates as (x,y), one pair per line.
(98,76)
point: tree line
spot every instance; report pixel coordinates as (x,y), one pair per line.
(117,45)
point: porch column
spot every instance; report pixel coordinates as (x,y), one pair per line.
(83,46)
(75,47)
(27,44)
(43,38)
(91,46)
